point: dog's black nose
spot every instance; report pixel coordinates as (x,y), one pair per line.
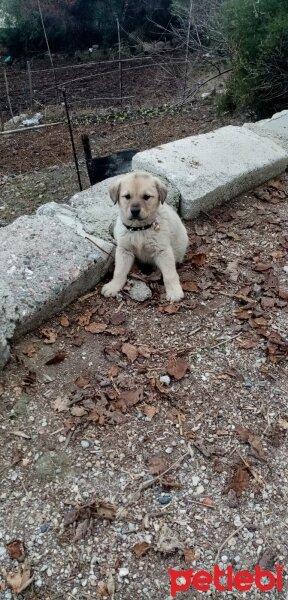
(135,212)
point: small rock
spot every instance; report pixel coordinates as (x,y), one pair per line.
(44,527)
(85,444)
(168,542)
(169,450)
(224,558)
(199,490)
(164,500)
(195,480)
(123,572)
(140,292)
(165,379)
(2,551)
(237,521)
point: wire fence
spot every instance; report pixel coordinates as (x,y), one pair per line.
(120,82)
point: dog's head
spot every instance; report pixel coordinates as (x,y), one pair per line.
(139,195)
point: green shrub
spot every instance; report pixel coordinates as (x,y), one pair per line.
(256,34)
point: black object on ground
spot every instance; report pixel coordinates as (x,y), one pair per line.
(106,166)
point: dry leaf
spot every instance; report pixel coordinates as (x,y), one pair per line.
(141,549)
(177,367)
(49,334)
(233,270)
(82,382)
(117,330)
(102,589)
(190,286)
(208,502)
(267,560)
(267,302)
(57,358)
(29,350)
(158,464)
(247,343)
(240,480)
(64,321)
(170,309)
(260,267)
(19,580)
(253,440)
(113,371)
(16,550)
(96,327)
(150,411)
(189,555)
(131,397)
(78,411)
(283,294)
(60,404)
(84,319)
(242,314)
(283,423)
(118,318)
(168,542)
(145,351)
(198,259)
(130,351)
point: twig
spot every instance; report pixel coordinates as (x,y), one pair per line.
(147,484)
(233,337)
(23,129)
(250,468)
(228,540)
(91,239)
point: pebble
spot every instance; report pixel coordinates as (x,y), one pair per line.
(44,527)
(85,444)
(169,450)
(164,500)
(123,572)
(224,558)
(237,521)
(165,379)
(2,551)
(140,292)
(199,490)
(195,480)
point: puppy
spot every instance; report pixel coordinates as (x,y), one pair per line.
(146,229)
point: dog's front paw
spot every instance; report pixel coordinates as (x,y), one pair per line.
(175,294)
(110,289)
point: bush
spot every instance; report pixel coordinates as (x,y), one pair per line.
(256,34)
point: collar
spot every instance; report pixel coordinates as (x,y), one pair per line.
(155,225)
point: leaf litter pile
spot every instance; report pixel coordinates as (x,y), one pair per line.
(139,437)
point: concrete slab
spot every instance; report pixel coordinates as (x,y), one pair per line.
(44,265)
(275,128)
(212,168)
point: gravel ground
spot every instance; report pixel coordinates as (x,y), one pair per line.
(132,390)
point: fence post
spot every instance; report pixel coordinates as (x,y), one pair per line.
(120,63)
(72,139)
(8,95)
(30,82)
(187,48)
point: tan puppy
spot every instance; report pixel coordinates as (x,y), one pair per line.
(148,230)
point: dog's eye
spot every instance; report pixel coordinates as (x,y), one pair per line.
(127,196)
(146,197)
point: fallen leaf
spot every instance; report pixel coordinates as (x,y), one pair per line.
(170,309)
(64,321)
(233,270)
(267,560)
(117,330)
(283,423)
(253,440)
(240,480)
(261,267)
(189,555)
(60,404)
(16,550)
(208,502)
(190,286)
(19,580)
(158,464)
(267,302)
(78,411)
(102,589)
(131,397)
(82,382)
(150,411)
(106,511)
(118,318)
(85,318)
(81,530)
(113,371)
(278,254)
(96,327)
(145,351)
(29,350)
(130,351)
(198,259)
(177,367)
(141,549)
(49,334)
(242,314)
(248,343)
(283,294)
(56,359)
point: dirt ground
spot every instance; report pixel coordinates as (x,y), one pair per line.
(155,438)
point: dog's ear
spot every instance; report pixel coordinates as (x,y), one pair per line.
(114,191)
(161,189)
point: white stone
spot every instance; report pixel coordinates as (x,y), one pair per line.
(123,572)
(212,168)
(165,379)
(275,128)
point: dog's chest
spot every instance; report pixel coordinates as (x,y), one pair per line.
(142,245)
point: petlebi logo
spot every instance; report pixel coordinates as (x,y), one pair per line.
(226,580)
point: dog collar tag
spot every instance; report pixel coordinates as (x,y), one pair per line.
(156,225)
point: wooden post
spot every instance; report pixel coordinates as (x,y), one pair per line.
(72,140)
(8,95)
(30,82)
(120,63)
(187,48)
(49,51)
